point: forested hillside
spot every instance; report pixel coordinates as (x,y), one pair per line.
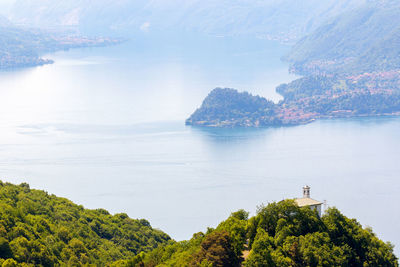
(366,39)
(305,100)
(40,229)
(281,234)
(24,47)
(225,107)
(20,48)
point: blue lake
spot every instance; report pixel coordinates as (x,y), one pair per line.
(105,128)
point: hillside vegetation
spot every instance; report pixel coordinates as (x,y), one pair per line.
(305,100)
(281,234)
(39,229)
(366,39)
(225,107)
(25,46)
(21,47)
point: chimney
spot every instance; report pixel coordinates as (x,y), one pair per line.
(306,191)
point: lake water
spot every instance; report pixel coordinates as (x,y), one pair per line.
(105,128)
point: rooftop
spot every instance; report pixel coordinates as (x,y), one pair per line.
(306,201)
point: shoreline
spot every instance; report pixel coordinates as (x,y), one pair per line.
(64,44)
(229,125)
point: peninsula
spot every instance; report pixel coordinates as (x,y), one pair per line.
(350,68)
(305,100)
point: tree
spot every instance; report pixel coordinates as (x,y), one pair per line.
(216,249)
(5,249)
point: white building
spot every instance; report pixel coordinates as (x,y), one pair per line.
(306,201)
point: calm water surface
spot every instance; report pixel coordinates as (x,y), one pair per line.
(105,128)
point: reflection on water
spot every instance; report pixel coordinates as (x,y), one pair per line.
(105,128)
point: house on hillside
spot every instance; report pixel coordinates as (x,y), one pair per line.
(306,201)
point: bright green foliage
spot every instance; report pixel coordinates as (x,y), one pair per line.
(37,229)
(218,247)
(281,234)
(174,254)
(236,225)
(284,219)
(41,229)
(361,245)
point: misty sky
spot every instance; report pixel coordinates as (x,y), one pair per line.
(5,5)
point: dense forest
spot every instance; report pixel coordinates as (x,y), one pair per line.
(225,107)
(281,234)
(38,229)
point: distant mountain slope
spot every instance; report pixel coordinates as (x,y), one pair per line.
(44,230)
(20,48)
(366,39)
(23,47)
(281,19)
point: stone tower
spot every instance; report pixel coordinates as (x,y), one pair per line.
(306,191)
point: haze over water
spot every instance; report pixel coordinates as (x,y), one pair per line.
(104,127)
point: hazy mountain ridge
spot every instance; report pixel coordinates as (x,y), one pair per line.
(276,19)
(364,40)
